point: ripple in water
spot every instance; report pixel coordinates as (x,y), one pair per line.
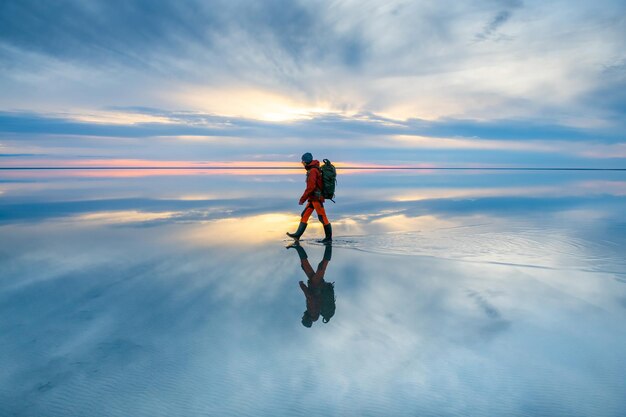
(527,246)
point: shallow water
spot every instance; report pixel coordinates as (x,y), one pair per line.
(457,293)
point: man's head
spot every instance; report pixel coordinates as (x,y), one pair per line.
(307,158)
(307,321)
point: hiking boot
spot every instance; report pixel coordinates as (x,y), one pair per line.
(301,252)
(328,230)
(328,252)
(298,233)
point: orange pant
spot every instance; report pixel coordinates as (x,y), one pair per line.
(319,208)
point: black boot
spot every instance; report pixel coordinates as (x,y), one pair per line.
(328,230)
(301,252)
(328,252)
(301,229)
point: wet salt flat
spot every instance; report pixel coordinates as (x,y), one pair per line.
(482,293)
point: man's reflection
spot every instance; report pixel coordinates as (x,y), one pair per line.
(320,295)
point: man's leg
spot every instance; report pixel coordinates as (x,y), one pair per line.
(321,215)
(306,213)
(304,218)
(307,268)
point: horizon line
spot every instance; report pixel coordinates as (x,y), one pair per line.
(369,168)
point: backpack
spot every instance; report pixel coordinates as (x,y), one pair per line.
(329,179)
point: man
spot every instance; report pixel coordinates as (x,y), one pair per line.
(314,198)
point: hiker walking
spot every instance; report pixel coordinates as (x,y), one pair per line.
(314,196)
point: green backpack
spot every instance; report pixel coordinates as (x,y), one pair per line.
(329,179)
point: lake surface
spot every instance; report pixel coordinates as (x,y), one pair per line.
(458,293)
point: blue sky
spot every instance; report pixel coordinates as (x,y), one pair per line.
(493,83)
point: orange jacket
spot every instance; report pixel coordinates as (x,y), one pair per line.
(314,184)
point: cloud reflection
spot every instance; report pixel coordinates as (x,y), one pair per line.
(430,294)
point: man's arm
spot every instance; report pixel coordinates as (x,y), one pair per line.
(305,289)
(311,183)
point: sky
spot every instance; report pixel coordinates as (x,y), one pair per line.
(482,83)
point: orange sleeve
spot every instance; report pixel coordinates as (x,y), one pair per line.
(311,184)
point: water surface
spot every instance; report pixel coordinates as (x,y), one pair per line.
(457,293)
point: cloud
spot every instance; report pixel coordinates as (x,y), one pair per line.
(161,137)
(403,60)
(136,122)
(139,80)
(493,25)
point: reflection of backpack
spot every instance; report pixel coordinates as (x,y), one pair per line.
(327,301)
(329,179)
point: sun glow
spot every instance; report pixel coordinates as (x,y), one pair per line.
(122,168)
(124,216)
(253,104)
(118,118)
(242,230)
